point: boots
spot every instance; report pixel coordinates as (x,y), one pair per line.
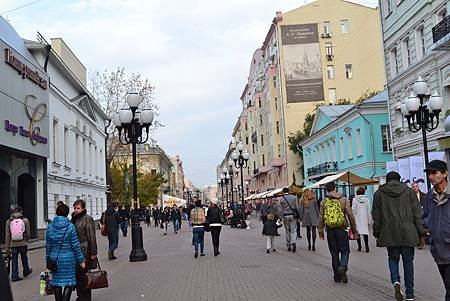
(111,255)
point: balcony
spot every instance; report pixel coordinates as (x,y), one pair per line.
(324,168)
(441,35)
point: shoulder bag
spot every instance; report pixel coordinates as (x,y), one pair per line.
(96,279)
(51,264)
(294,211)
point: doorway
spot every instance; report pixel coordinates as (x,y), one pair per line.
(5,202)
(26,198)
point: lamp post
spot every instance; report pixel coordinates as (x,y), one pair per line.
(130,123)
(240,158)
(422,113)
(231,173)
(221,182)
(108,193)
(226,178)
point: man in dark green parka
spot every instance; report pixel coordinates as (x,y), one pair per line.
(397,225)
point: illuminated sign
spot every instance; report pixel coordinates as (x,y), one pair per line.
(24,70)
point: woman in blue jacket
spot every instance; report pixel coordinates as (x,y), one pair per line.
(63,247)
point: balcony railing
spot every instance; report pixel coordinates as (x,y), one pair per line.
(441,35)
(323,168)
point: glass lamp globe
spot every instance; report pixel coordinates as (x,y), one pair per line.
(420,86)
(147,116)
(412,103)
(133,100)
(125,116)
(436,102)
(246,155)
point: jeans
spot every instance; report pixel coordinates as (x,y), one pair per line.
(175,225)
(338,245)
(198,236)
(124,227)
(407,254)
(215,235)
(290,225)
(113,240)
(269,244)
(444,270)
(15,261)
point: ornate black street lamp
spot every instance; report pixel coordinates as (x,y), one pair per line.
(422,113)
(225,178)
(221,182)
(108,184)
(231,172)
(130,123)
(240,158)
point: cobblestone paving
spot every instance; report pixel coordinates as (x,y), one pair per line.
(242,272)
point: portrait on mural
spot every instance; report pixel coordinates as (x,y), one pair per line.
(302,65)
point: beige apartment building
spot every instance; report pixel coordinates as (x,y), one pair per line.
(177,178)
(321,52)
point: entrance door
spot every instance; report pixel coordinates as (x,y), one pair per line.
(5,201)
(26,198)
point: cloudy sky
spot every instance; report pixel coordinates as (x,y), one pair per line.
(195,52)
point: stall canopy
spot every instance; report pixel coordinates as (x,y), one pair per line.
(169,201)
(347,177)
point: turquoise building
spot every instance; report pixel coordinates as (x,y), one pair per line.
(355,138)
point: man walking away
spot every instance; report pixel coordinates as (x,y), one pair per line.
(17,234)
(112,221)
(397,225)
(85,227)
(175,216)
(437,216)
(335,215)
(290,210)
(124,214)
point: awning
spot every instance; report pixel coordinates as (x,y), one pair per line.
(345,176)
(169,201)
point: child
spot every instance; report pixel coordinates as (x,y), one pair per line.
(270,230)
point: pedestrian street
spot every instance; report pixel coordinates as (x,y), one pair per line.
(243,271)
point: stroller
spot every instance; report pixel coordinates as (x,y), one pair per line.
(6,261)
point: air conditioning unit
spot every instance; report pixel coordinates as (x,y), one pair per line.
(326,35)
(329,57)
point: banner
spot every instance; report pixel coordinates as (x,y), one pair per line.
(403,170)
(416,173)
(391,166)
(169,201)
(302,66)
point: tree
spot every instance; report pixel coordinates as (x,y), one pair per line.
(148,187)
(121,184)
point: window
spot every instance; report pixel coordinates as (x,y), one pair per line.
(276,103)
(358,142)
(341,148)
(350,145)
(326,27)
(263,160)
(388,7)
(253,148)
(278,127)
(279,150)
(96,160)
(254,166)
(67,201)
(246,140)
(153,172)
(441,15)
(246,126)
(332,95)
(84,155)
(333,150)
(77,150)
(420,42)
(328,49)
(259,102)
(262,140)
(55,140)
(344,26)
(386,138)
(330,71)
(394,62)
(348,71)
(66,146)
(102,160)
(260,120)
(55,200)
(406,53)
(274,81)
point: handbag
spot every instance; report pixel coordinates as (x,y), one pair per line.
(51,264)
(96,279)
(351,235)
(294,211)
(103,229)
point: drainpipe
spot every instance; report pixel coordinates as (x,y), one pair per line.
(371,140)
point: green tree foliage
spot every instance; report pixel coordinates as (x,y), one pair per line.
(148,188)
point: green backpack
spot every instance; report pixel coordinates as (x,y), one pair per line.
(334,216)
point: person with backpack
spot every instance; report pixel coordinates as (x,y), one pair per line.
(335,216)
(290,209)
(397,225)
(17,234)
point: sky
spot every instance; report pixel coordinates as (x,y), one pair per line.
(196,53)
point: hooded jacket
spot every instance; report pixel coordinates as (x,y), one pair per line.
(396,216)
(361,211)
(345,206)
(9,243)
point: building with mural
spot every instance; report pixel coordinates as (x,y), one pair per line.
(318,53)
(353,138)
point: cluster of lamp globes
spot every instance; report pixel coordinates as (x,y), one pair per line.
(412,104)
(126,115)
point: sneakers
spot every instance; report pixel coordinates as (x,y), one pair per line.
(409,299)
(268,251)
(398,291)
(195,254)
(343,274)
(294,247)
(202,254)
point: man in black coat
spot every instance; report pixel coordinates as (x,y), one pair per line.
(112,221)
(175,216)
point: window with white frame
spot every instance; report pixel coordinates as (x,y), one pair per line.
(394,62)
(341,148)
(66,146)
(388,7)
(420,42)
(276,103)
(441,15)
(55,140)
(67,201)
(386,138)
(262,140)
(406,53)
(84,155)
(279,150)
(55,200)
(330,72)
(350,145)
(263,160)
(77,150)
(326,27)
(348,71)
(332,95)
(333,148)
(278,127)
(358,142)
(345,26)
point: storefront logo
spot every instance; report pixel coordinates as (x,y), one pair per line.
(35,115)
(24,70)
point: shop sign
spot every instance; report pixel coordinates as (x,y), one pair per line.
(24,70)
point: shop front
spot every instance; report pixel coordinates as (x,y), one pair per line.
(24,130)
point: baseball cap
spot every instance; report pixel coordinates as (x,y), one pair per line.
(436,165)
